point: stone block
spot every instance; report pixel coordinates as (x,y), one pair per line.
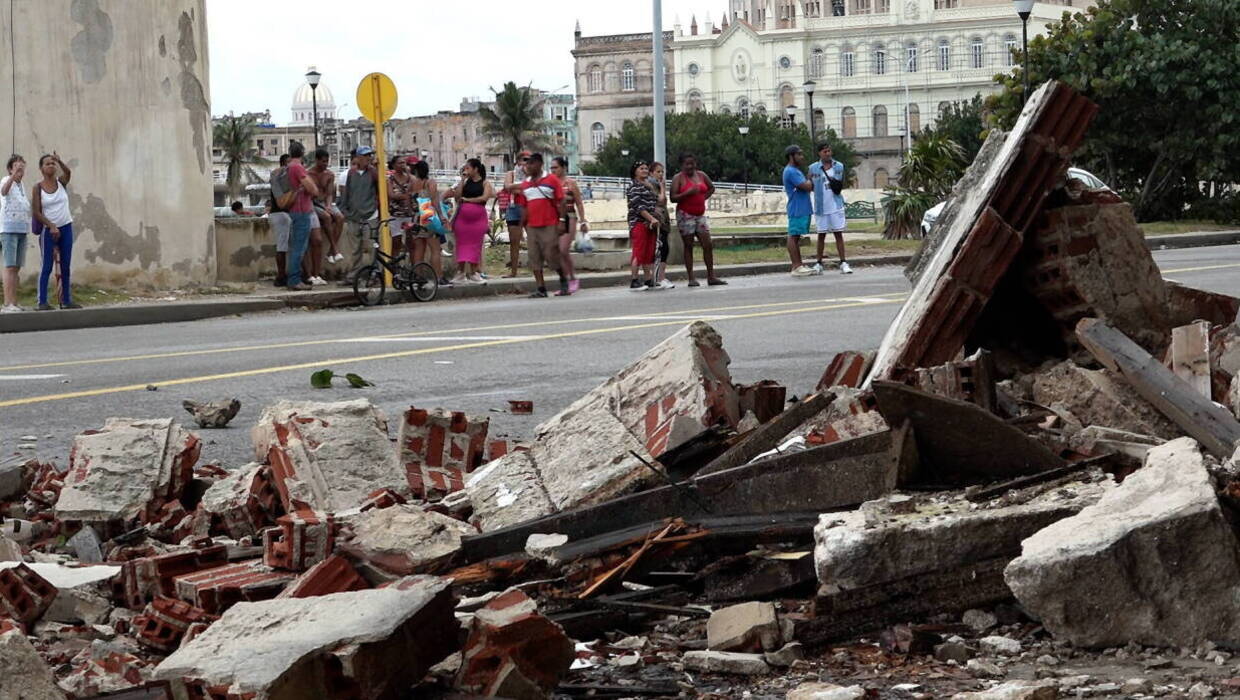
(439,449)
(513,651)
(405,539)
(127,470)
(327,456)
(1153,562)
(245,502)
(508,491)
(362,644)
(23,674)
(332,575)
(24,594)
(748,627)
(299,540)
(218,589)
(725,662)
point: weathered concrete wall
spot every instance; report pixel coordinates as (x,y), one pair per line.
(119,89)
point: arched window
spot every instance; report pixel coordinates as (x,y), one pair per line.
(742,108)
(943,107)
(725,110)
(695,101)
(945,55)
(977,52)
(594,83)
(628,78)
(880,121)
(848,62)
(880,61)
(910,58)
(598,136)
(914,118)
(787,98)
(815,63)
(1009,45)
(881,179)
(760,110)
(848,123)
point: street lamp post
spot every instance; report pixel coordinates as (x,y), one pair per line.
(744,131)
(313,77)
(791,111)
(1024,8)
(809,93)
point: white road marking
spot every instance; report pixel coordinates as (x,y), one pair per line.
(23,377)
(713,317)
(868,300)
(435,338)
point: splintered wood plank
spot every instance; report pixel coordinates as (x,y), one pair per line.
(1190,355)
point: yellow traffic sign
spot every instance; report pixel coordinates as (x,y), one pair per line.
(376,98)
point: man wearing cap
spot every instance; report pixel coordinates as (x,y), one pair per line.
(359,205)
(800,208)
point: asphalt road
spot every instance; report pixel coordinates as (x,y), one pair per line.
(471,355)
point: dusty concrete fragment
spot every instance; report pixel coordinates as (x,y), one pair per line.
(327,456)
(332,575)
(87,546)
(23,675)
(1101,398)
(748,627)
(826,691)
(513,651)
(439,449)
(9,550)
(508,491)
(999,645)
(544,546)
(126,470)
(1130,447)
(979,620)
(212,414)
(786,655)
(1153,562)
(365,644)
(405,539)
(852,551)
(1014,690)
(13,480)
(300,540)
(725,662)
(245,501)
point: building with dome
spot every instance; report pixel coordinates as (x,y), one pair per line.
(304,104)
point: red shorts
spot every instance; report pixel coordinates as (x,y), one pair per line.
(642,239)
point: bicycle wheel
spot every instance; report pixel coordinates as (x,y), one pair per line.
(369,286)
(420,281)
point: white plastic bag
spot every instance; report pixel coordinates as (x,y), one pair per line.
(584,243)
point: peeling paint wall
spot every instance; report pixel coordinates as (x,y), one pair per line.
(119,88)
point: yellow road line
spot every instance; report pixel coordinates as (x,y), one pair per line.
(1202,268)
(410,353)
(452,331)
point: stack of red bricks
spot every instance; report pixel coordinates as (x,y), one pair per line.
(439,449)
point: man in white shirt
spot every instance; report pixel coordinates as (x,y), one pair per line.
(14,227)
(828,177)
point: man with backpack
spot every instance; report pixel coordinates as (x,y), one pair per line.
(828,177)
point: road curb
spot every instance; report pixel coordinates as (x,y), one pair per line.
(1192,240)
(132,315)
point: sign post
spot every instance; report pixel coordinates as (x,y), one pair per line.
(376,99)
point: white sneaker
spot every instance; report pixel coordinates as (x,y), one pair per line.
(666,284)
(845,269)
(802,271)
(461,279)
(11,309)
(817,268)
(477,279)
(338,257)
(318,281)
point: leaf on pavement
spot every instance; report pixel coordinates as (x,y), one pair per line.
(356,381)
(322,379)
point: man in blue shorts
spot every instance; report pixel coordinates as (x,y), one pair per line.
(800,209)
(828,176)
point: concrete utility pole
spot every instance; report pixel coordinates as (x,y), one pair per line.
(660,137)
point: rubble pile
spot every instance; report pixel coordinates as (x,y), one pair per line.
(1030,489)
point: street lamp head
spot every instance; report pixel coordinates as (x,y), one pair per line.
(743,129)
(791,110)
(1024,8)
(313,77)
(809,87)
(624,152)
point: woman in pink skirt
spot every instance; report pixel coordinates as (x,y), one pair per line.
(472,223)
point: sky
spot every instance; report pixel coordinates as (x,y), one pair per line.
(435,51)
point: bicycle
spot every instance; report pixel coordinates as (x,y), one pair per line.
(417,280)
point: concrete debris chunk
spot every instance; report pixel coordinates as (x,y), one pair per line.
(1014,690)
(725,662)
(332,575)
(127,470)
(508,491)
(212,414)
(23,674)
(14,480)
(999,645)
(439,449)
(513,651)
(362,644)
(24,594)
(299,540)
(1100,398)
(80,592)
(10,550)
(245,502)
(1153,562)
(826,691)
(327,457)
(217,589)
(405,539)
(747,627)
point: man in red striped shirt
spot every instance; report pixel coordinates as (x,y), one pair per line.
(542,196)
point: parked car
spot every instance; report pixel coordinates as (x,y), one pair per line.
(1089,179)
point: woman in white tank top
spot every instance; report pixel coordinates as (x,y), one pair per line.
(54,224)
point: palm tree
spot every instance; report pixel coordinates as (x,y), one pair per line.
(516,121)
(234,136)
(929,172)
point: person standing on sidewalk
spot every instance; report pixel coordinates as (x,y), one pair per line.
(514,213)
(643,226)
(14,225)
(574,212)
(658,184)
(471,223)
(798,189)
(280,220)
(359,205)
(543,198)
(327,215)
(689,191)
(54,224)
(303,209)
(828,176)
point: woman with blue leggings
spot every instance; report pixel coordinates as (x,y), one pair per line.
(54,224)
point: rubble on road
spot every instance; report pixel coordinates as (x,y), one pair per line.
(212,414)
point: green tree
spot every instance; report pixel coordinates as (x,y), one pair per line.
(234,136)
(516,121)
(964,123)
(931,168)
(1166,74)
(721,151)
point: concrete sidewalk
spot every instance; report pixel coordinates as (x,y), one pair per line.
(333,296)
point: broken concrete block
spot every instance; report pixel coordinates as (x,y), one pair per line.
(405,539)
(725,662)
(748,627)
(24,594)
(87,546)
(363,644)
(826,691)
(847,368)
(439,449)
(1131,448)
(508,491)
(80,592)
(999,646)
(513,651)
(332,575)
(245,502)
(542,546)
(299,540)
(1015,690)
(764,399)
(1100,398)
(23,674)
(165,621)
(979,620)
(14,480)
(785,656)
(327,456)
(854,551)
(142,580)
(127,470)
(212,414)
(216,590)
(1153,562)
(10,550)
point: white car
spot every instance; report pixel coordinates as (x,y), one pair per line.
(1089,179)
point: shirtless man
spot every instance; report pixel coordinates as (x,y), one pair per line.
(330,217)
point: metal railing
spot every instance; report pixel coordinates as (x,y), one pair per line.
(617,184)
